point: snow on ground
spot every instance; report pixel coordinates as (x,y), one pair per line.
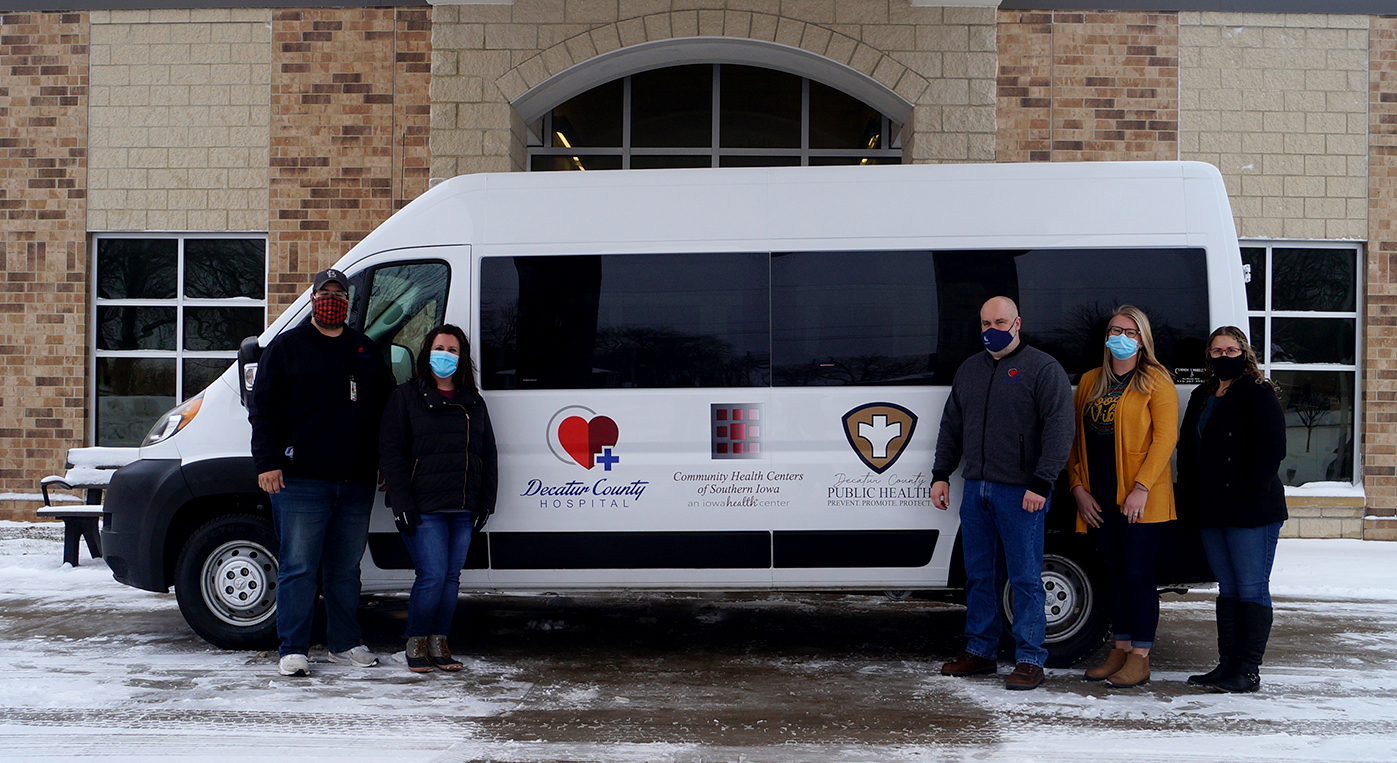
(91,669)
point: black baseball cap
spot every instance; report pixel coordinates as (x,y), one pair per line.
(330,276)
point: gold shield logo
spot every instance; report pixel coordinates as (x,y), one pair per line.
(879,432)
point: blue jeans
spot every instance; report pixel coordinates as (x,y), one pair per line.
(1128,551)
(1241,558)
(322,526)
(999,538)
(438,551)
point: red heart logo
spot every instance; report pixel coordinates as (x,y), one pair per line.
(1013,372)
(583,439)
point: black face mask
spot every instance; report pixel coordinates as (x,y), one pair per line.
(1227,369)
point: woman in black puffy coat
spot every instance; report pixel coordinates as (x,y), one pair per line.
(1230,449)
(437,452)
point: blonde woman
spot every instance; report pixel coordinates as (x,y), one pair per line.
(1127,425)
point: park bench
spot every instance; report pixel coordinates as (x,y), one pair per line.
(89,470)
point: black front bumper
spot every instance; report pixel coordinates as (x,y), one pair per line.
(140,502)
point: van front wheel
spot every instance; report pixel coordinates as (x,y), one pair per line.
(225,582)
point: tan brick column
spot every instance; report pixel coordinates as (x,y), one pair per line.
(1380,324)
(349,90)
(43,250)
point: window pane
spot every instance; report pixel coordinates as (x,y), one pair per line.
(592,119)
(200,373)
(136,268)
(642,162)
(759,161)
(1256,287)
(760,108)
(690,320)
(1312,340)
(1257,334)
(1319,425)
(824,332)
(1313,279)
(672,107)
(406,302)
(135,328)
(223,268)
(220,328)
(131,394)
(556,163)
(838,120)
(1066,295)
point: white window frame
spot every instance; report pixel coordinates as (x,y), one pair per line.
(179,302)
(1267,314)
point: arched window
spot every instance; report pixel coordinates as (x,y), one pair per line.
(711,115)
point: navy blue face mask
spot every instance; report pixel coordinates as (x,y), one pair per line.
(996,340)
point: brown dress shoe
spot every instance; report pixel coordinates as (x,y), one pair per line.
(968,664)
(1026,676)
(1114,661)
(1136,672)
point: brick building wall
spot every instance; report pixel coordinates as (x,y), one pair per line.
(1380,324)
(1087,86)
(942,60)
(1278,102)
(43,254)
(349,119)
(179,120)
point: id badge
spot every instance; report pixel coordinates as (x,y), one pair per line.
(353,390)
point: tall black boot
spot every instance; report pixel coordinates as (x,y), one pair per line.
(1227,644)
(1255,631)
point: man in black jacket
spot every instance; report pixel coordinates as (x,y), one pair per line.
(315,409)
(1009,420)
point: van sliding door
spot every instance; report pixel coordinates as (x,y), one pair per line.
(626,390)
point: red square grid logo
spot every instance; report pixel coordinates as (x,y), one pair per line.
(737,430)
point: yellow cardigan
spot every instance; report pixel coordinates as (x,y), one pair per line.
(1147,428)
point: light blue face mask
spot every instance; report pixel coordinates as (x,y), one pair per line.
(443,363)
(1122,346)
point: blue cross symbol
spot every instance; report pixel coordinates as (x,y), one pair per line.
(606,459)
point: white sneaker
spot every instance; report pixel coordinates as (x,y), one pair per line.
(294,665)
(359,657)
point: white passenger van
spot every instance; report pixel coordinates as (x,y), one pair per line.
(712,379)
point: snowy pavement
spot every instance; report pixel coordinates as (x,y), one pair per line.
(91,669)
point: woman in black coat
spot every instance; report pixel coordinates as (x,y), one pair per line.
(437,452)
(1231,446)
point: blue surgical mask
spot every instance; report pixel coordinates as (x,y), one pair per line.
(1122,346)
(996,340)
(443,363)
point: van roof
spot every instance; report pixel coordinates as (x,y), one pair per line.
(959,205)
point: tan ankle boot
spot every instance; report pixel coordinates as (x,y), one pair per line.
(1114,661)
(1135,673)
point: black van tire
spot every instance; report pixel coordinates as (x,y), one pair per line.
(225,582)
(1075,607)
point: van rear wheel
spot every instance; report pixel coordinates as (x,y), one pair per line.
(225,582)
(1075,609)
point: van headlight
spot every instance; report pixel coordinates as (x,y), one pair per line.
(175,420)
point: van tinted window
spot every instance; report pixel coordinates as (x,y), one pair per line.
(645,320)
(854,318)
(912,317)
(835,318)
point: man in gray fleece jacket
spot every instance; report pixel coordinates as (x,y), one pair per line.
(1009,422)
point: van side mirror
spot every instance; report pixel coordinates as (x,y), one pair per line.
(249,352)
